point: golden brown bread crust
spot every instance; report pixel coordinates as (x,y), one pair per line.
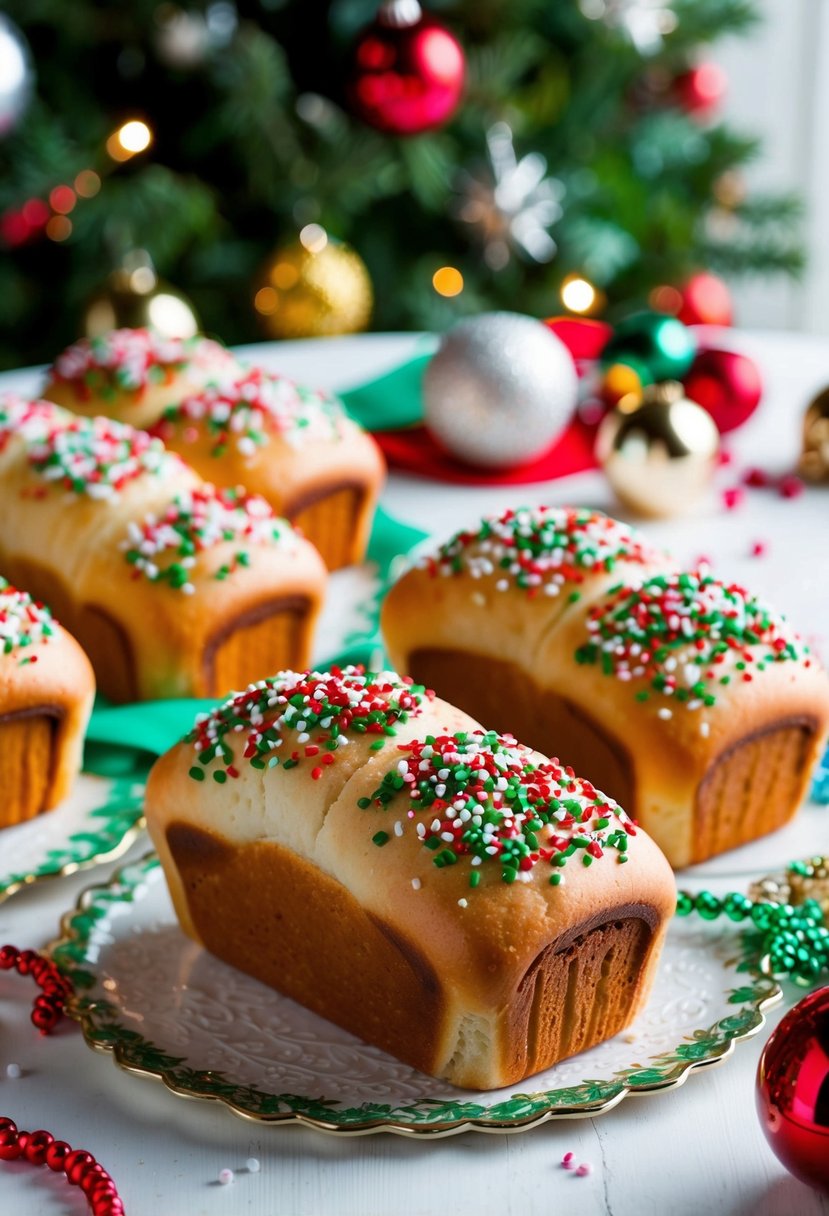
(294,447)
(524,660)
(46,694)
(462,981)
(108,551)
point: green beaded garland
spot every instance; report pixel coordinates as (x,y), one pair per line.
(794,937)
(708,906)
(736,906)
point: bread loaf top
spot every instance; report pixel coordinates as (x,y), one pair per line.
(253,409)
(38,658)
(279,439)
(502,586)
(132,374)
(43,670)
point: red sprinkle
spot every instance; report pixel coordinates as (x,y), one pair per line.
(759,549)
(733,498)
(756,478)
(790,486)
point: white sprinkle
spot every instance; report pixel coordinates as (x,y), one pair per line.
(416,884)
(462,903)
(704,729)
(252,1165)
(14,1072)
(225,1177)
(665,713)
(398,828)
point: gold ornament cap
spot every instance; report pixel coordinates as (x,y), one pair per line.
(134,297)
(814,461)
(659,450)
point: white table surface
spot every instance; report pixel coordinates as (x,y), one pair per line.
(691,1150)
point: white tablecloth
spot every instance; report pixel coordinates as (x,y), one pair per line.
(696,1149)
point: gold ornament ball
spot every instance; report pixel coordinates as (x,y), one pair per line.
(814,462)
(659,451)
(314,288)
(134,297)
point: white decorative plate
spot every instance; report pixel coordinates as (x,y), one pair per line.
(166,1008)
(96,823)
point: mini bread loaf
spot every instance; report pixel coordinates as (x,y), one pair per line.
(438,890)
(294,446)
(46,694)
(686,699)
(132,375)
(173,588)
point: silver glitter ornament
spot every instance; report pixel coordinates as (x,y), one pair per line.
(499,389)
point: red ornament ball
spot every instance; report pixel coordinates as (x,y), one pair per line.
(701,89)
(407,72)
(726,384)
(705,300)
(793,1090)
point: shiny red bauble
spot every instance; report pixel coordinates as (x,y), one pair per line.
(793,1090)
(705,300)
(726,384)
(701,89)
(407,71)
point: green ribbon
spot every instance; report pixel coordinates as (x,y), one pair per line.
(122,740)
(393,400)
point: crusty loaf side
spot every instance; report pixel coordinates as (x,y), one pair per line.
(46,694)
(174,588)
(652,681)
(444,893)
(292,445)
(133,375)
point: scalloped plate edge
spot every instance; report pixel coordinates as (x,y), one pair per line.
(16,884)
(763,1000)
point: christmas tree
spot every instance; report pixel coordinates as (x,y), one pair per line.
(583,156)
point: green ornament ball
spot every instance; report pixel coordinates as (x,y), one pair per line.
(662,344)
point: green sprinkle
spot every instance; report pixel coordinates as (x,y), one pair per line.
(380,838)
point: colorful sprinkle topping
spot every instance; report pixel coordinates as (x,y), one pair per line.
(25,418)
(490,799)
(132,360)
(686,635)
(246,412)
(96,456)
(23,622)
(540,549)
(324,710)
(165,548)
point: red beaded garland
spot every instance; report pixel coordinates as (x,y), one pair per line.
(56,1155)
(48,1007)
(81,1169)
(37,1147)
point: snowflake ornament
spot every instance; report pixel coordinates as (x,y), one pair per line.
(513,205)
